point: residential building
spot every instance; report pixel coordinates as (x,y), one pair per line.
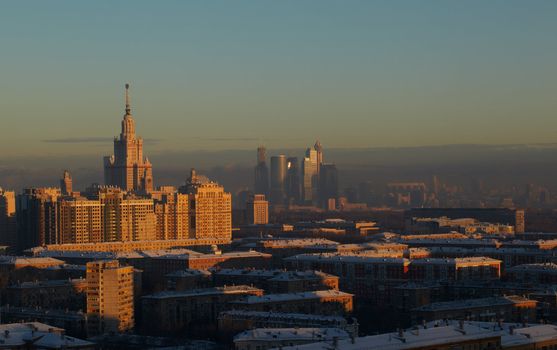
(257,210)
(109,297)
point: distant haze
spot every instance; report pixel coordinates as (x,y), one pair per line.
(461,164)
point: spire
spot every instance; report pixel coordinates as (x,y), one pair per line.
(128,108)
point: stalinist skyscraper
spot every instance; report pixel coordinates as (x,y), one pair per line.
(127,168)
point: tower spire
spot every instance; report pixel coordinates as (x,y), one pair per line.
(128,108)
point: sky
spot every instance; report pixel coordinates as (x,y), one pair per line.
(218,75)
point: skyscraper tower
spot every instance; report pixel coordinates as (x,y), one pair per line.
(8,228)
(261,173)
(127,168)
(319,156)
(292,180)
(66,184)
(328,185)
(278,177)
(310,184)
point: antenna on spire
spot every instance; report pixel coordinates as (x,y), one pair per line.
(128,108)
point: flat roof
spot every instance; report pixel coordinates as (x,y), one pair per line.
(254,299)
(204,291)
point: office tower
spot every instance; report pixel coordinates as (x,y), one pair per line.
(127,168)
(435,184)
(293,181)
(210,208)
(126,217)
(257,210)
(318,156)
(261,173)
(278,177)
(309,177)
(109,297)
(328,184)
(8,233)
(36,217)
(172,213)
(66,184)
(79,220)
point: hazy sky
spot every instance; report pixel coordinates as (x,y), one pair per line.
(232,74)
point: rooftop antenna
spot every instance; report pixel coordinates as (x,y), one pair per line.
(128,108)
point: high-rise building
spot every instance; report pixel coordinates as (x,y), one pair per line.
(126,217)
(257,210)
(109,297)
(310,184)
(127,168)
(278,177)
(8,232)
(319,156)
(173,216)
(210,208)
(292,184)
(66,184)
(261,173)
(36,217)
(328,184)
(79,220)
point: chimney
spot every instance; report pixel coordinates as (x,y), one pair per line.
(511,330)
(461,324)
(335,342)
(400,333)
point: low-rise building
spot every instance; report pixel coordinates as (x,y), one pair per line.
(173,312)
(450,335)
(277,281)
(188,279)
(35,335)
(508,308)
(16,268)
(235,321)
(455,269)
(73,322)
(50,294)
(272,338)
(533,273)
(322,302)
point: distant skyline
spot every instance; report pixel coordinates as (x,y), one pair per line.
(233,75)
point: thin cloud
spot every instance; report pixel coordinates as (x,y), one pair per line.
(92,140)
(227,139)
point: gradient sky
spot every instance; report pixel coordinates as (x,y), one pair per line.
(213,75)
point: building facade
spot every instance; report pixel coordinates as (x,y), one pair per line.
(127,168)
(8,227)
(261,173)
(257,210)
(109,297)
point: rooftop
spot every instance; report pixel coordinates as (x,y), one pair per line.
(348,258)
(423,338)
(19,260)
(204,291)
(254,299)
(547,267)
(474,303)
(40,335)
(282,315)
(290,334)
